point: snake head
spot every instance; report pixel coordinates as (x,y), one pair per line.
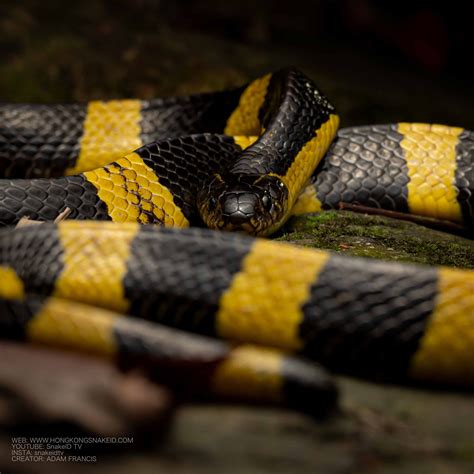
(253,204)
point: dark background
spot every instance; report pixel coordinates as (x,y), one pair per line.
(377,61)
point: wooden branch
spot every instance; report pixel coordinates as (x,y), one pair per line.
(63,216)
(437,224)
(25,221)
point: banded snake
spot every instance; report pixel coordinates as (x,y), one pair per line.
(242,160)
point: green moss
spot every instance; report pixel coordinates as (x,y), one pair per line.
(379,237)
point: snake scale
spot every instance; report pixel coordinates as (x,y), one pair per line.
(240,160)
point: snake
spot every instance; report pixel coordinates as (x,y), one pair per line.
(145,270)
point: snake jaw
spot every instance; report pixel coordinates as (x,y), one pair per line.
(245,203)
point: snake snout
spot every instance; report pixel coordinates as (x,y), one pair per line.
(248,203)
(238,210)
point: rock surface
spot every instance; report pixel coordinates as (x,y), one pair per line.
(380,237)
(381,429)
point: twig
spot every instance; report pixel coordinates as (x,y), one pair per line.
(25,221)
(63,216)
(437,224)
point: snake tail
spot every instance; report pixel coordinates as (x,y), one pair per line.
(196,367)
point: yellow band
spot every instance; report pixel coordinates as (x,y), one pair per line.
(11,286)
(309,156)
(250,373)
(133,193)
(430,154)
(244,119)
(62,323)
(111,130)
(94,264)
(256,308)
(446,350)
(307,202)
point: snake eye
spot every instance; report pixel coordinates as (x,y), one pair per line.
(212,203)
(267,202)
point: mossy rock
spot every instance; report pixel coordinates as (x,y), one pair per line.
(379,237)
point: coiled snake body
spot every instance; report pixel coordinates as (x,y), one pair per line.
(240,160)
